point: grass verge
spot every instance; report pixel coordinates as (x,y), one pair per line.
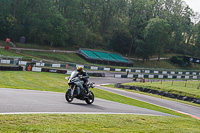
(97,124)
(185,88)
(33,81)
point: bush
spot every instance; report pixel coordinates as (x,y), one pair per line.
(176,60)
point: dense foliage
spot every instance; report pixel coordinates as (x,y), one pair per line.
(131,27)
(177,60)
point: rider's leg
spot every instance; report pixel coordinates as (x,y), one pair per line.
(86,87)
(85,84)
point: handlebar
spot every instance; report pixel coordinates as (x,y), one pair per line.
(91,84)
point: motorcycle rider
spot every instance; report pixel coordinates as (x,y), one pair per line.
(85,77)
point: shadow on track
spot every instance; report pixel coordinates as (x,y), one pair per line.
(87,105)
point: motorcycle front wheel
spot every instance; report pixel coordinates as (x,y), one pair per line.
(90,98)
(68,96)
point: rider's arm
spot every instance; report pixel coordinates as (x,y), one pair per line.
(85,76)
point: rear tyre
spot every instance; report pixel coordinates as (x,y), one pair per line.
(68,96)
(90,98)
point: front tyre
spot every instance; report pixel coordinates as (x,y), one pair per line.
(90,98)
(68,96)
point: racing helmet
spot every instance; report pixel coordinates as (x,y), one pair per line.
(79,69)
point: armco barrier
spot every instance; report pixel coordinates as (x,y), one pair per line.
(53,70)
(98,74)
(6,68)
(147,71)
(162,93)
(151,76)
(37,69)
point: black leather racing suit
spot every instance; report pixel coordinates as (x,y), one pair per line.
(85,79)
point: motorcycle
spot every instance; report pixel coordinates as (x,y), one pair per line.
(77,90)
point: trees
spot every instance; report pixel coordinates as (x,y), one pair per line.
(126,25)
(156,36)
(6,19)
(138,17)
(45,24)
(120,41)
(196,52)
(178,15)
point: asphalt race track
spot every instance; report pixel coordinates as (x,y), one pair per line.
(17,101)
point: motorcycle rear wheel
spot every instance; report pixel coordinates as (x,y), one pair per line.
(68,96)
(90,98)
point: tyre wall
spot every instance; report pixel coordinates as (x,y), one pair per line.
(162,93)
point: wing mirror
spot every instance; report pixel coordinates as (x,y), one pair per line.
(67,78)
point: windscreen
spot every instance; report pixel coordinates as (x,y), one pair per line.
(73,74)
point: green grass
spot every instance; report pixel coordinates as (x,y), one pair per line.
(36,46)
(70,57)
(97,123)
(12,53)
(176,87)
(33,81)
(28,55)
(155,64)
(8,53)
(164,64)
